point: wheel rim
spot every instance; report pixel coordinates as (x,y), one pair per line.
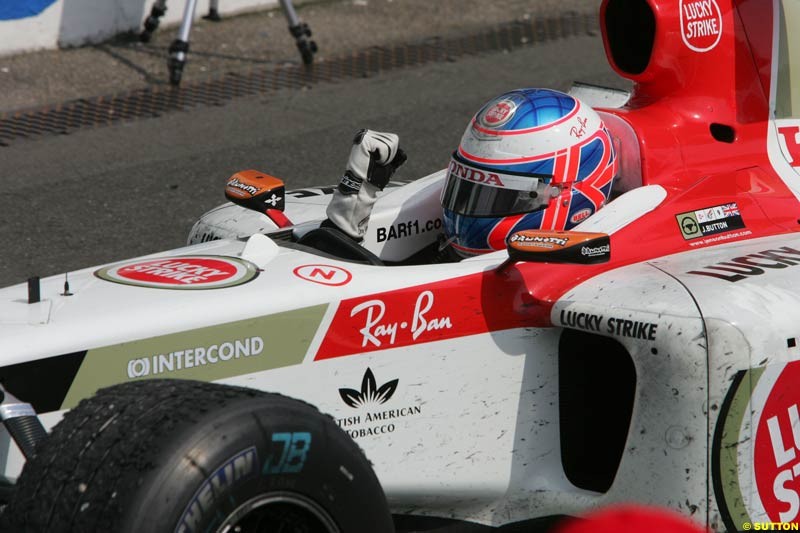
(279,512)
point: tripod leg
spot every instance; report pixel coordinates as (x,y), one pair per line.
(151,22)
(300,31)
(179,48)
(213,11)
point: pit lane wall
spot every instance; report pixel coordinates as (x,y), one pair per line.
(27,25)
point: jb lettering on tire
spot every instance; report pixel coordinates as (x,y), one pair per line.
(184,456)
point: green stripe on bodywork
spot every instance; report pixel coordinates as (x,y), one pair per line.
(729,447)
(286,338)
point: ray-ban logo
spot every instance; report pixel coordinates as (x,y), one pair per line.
(370,392)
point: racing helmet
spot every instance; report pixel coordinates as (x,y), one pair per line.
(529,159)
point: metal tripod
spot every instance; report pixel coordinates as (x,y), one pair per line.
(179,48)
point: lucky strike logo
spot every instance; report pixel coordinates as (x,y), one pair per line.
(790,146)
(777,448)
(701,24)
(181,272)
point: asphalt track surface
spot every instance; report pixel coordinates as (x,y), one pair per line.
(110,193)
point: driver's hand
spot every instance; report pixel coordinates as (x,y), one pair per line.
(374,158)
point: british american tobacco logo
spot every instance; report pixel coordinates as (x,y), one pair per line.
(369,422)
(370,392)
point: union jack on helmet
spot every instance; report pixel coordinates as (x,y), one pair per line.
(529,159)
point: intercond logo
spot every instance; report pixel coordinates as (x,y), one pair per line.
(194,357)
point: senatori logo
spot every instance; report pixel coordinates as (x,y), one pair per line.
(595,251)
(523,238)
(188,272)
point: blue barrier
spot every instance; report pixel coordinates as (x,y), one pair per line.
(20,9)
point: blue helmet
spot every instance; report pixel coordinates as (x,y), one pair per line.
(529,159)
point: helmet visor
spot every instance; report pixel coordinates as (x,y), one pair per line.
(475,191)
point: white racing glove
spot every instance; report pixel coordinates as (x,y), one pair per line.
(373,160)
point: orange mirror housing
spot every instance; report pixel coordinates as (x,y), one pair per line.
(256,190)
(544,246)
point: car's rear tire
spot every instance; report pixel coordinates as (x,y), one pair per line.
(183,456)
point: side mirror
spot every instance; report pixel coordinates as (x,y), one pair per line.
(255,190)
(544,246)
(260,192)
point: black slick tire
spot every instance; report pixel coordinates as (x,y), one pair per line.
(184,456)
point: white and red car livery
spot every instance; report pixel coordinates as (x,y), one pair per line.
(495,392)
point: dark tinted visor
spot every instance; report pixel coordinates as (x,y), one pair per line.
(475,191)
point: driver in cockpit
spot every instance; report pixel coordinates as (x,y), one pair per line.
(529,159)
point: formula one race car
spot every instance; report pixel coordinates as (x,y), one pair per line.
(649,355)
